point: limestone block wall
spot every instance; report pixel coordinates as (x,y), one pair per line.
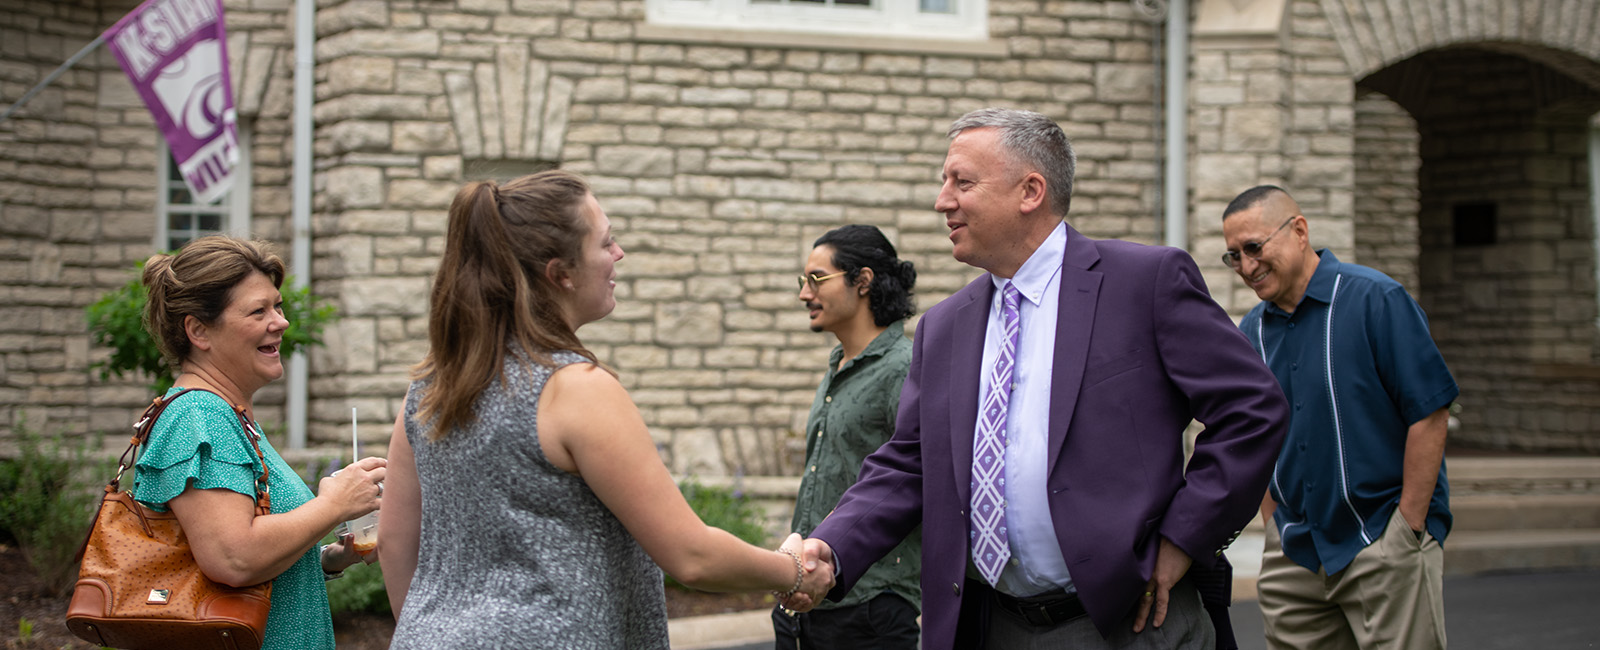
(718,165)
(1515,316)
(77,192)
(78,183)
(1496,97)
(1386,194)
(1272,105)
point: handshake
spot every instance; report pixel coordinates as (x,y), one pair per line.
(815,576)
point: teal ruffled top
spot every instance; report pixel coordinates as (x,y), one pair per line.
(199,443)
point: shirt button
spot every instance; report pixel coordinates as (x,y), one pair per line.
(828,399)
(813,468)
(956,588)
(1294,366)
(1291,325)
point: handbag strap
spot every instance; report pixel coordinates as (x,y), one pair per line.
(141,433)
(147,423)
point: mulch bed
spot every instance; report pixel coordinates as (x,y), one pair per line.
(24,596)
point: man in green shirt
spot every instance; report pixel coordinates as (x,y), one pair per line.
(857,289)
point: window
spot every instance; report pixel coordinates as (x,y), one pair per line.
(960,19)
(179,219)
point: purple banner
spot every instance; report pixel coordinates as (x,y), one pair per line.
(176,54)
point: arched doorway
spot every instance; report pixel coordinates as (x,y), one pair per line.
(1492,190)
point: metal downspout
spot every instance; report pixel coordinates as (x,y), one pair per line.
(305,40)
(1177,168)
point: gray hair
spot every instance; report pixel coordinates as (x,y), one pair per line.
(1034,141)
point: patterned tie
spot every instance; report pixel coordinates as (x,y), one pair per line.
(990,545)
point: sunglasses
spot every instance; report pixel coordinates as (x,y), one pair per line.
(812,280)
(1253,249)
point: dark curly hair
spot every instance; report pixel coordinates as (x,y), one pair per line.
(859,246)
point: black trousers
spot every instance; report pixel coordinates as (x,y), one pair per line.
(886,622)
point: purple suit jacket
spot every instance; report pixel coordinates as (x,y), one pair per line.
(1141,349)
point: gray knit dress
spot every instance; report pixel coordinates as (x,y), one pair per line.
(515,552)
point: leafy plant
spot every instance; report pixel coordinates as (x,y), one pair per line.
(360,590)
(116,321)
(725,509)
(46,505)
(24,630)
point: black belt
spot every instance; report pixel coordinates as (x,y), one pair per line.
(1047,609)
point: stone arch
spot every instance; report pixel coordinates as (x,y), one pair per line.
(1374,34)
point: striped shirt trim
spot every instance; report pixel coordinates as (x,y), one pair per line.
(1333,396)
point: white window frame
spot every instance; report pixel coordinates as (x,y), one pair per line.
(895,18)
(233,207)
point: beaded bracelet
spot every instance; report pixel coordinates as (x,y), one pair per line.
(799,575)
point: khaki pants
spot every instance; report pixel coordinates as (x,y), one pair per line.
(1391,596)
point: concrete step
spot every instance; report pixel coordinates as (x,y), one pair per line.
(1479,551)
(1514,512)
(1523,475)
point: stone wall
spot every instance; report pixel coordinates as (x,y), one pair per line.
(1386,196)
(78,183)
(720,161)
(718,165)
(1496,100)
(1515,316)
(77,197)
(1272,105)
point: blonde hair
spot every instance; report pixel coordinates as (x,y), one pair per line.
(198,281)
(491,294)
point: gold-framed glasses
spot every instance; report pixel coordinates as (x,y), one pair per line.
(1253,249)
(812,280)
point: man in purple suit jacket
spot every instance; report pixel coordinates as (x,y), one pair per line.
(1110,536)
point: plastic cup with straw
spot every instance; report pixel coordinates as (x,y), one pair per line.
(364,529)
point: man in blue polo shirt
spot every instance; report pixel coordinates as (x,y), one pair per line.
(1358,499)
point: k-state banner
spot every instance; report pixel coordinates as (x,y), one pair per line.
(176,54)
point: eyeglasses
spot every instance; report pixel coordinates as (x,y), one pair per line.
(1253,248)
(812,279)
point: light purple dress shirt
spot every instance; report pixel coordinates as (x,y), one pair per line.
(1036,564)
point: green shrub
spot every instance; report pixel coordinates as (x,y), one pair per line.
(360,590)
(722,508)
(47,501)
(116,321)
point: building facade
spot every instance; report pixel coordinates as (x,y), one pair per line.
(1447,142)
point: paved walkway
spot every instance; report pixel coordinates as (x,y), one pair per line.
(1523,611)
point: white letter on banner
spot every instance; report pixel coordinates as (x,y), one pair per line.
(139,58)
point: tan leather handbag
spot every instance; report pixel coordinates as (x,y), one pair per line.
(139,586)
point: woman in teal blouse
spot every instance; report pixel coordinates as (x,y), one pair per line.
(216,314)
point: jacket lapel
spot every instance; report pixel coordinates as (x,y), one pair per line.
(1080,293)
(969,325)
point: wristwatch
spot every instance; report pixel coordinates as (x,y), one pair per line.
(322,557)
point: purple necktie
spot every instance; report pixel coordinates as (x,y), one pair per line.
(990,545)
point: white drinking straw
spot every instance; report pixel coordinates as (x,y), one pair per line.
(354,450)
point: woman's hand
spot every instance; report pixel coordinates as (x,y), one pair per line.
(354,490)
(341,554)
(815,581)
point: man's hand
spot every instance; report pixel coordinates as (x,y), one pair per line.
(817,559)
(1171,564)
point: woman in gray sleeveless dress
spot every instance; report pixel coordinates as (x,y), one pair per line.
(526,505)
